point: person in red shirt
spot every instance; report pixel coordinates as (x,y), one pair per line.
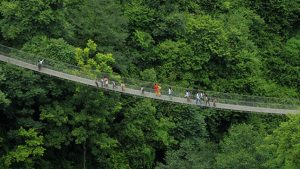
(156,89)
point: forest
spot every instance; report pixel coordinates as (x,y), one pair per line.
(249,47)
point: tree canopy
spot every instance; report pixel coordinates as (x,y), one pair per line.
(238,46)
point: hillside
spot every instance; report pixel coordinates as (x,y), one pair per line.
(245,47)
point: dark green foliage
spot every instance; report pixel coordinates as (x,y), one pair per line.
(281,148)
(193,153)
(75,122)
(20,20)
(142,132)
(287,14)
(287,62)
(3,100)
(101,20)
(189,121)
(55,49)
(238,149)
(104,22)
(26,154)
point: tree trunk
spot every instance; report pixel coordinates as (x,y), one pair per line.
(84,155)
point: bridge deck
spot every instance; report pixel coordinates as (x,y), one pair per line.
(138,92)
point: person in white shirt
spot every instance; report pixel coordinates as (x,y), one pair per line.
(142,90)
(198,100)
(187,95)
(106,82)
(40,63)
(170,93)
(114,85)
(102,82)
(201,95)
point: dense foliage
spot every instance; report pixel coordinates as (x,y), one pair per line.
(243,46)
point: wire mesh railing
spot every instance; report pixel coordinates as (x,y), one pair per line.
(225,98)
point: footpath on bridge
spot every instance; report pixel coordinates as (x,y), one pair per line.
(28,64)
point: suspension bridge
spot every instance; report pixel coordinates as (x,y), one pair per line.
(225,101)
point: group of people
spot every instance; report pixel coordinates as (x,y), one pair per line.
(200,97)
(105,81)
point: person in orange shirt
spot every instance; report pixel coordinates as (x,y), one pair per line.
(156,89)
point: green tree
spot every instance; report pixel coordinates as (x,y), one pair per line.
(28,91)
(3,100)
(100,20)
(287,14)
(82,121)
(194,153)
(189,121)
(143,39)
(141,133)
(92,62)
(140,15)
(149,75)
(281,148)
(49,48)
(21,20)
(25,155)
(178,63)
(238,149)
(284,67)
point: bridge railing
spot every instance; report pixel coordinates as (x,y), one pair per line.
(226,98)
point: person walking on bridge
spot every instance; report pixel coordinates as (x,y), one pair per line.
(159,89)
(123,86)
(114,85)
(143,90)
(201,96)
(96,81)
(155,89)
(40,63)
(214,99)
(105,82)
(198,99)
(188,96)
(102,82)
(206,100)
(170,93)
